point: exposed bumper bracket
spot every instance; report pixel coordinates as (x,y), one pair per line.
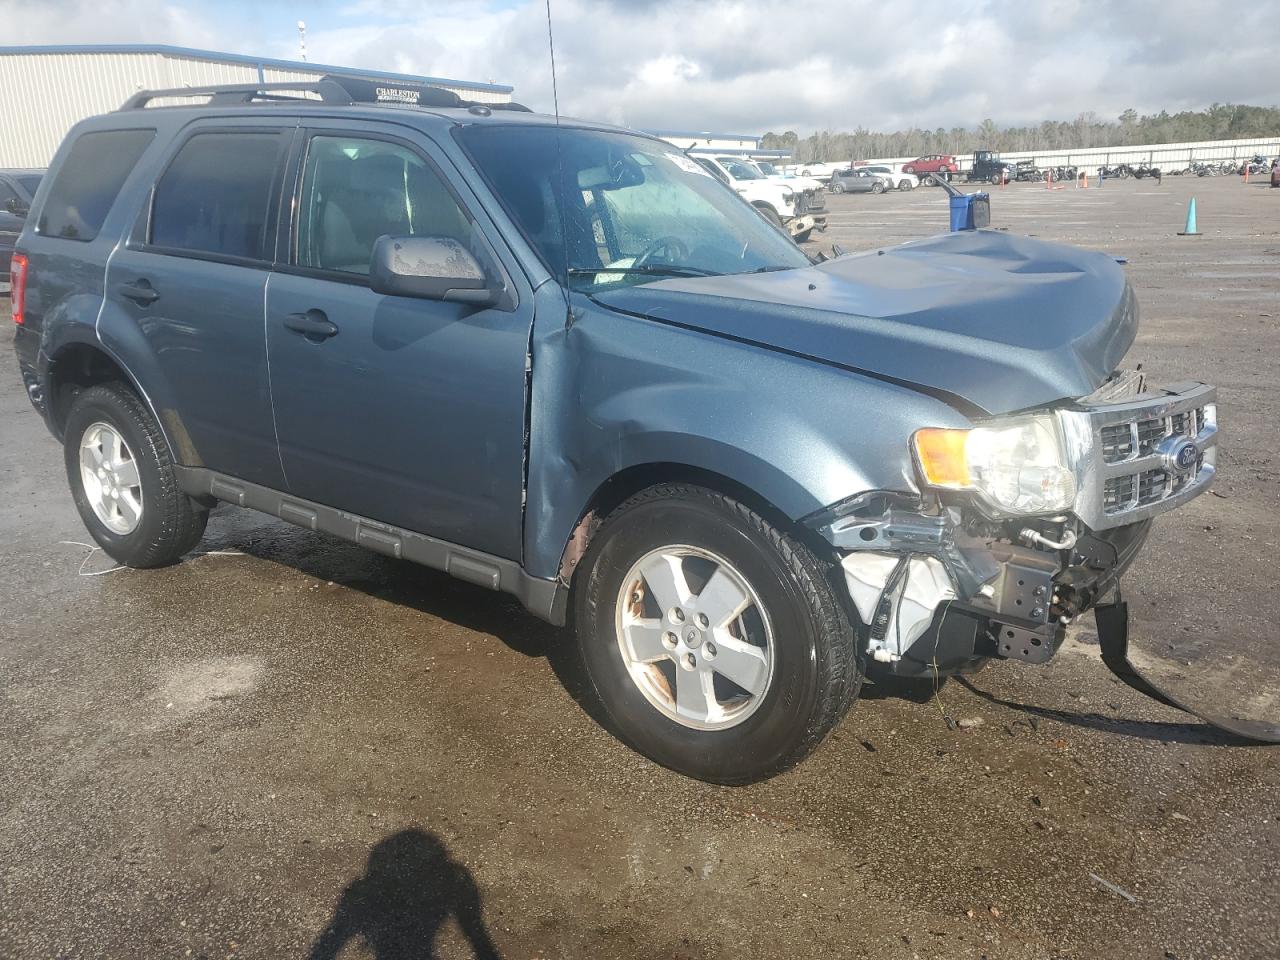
(1113,636)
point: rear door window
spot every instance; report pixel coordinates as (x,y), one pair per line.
(88,182)
(216,196)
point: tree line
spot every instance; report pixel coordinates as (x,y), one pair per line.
(1222,121)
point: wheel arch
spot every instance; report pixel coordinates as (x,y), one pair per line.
(74,366)
(621,486)
(766,205)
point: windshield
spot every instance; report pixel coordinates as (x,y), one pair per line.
(768,169)
(30,182)
(609,208)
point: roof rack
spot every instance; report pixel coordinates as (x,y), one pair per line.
(331,90)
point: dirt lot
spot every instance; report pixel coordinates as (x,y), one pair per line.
(286,745)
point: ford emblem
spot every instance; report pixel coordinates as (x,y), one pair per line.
(1183,456)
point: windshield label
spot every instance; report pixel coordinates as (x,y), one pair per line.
(685,164)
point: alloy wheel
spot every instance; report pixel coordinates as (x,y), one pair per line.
(109,474)
(695,637)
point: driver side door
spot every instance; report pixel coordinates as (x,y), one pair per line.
(404,410)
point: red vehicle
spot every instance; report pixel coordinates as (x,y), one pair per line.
(934,163)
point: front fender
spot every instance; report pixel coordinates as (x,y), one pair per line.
(612,392)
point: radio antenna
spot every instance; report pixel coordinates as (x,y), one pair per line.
(560,195)
(551,45)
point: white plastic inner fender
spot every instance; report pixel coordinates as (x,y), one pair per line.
(927,585)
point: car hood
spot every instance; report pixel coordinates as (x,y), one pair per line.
(1002,322)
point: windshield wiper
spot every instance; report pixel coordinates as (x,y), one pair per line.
(647,269)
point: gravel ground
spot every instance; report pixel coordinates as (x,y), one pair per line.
(285,745)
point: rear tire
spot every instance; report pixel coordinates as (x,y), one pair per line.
(904,185)
(123,481)
(792,648)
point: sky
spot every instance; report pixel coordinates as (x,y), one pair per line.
(745,66)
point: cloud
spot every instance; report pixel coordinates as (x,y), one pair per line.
(753,65)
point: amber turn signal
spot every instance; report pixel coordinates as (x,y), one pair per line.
(940,454)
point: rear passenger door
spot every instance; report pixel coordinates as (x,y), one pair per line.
(193,277)
(404,410)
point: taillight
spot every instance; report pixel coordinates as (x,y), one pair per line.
(18,286)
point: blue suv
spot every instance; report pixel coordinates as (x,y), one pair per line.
(560,360)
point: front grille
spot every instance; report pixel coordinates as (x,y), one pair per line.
(1139,438)
(1143,442)
(1153,485)
(1118,494)
(810,201)
(1150,432)
(1117,442)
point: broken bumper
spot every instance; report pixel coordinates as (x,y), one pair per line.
(936,599)
(804,225)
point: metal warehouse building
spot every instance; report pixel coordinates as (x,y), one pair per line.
(739,144)
(44,90)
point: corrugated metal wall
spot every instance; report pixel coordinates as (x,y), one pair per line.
(43,95)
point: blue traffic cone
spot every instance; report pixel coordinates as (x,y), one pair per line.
(1191,230)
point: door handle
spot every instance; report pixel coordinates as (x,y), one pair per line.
(313,325)
(140,291)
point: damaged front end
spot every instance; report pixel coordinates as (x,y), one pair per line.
(940,592)
(1024,523)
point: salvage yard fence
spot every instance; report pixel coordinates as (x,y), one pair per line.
(1167,156)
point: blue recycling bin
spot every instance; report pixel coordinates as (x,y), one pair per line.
(969,211)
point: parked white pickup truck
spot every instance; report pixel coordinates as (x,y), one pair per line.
(792,180)
(782,204)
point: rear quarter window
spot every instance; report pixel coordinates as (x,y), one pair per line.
(88,182)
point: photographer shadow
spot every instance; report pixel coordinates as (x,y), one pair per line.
(410,888)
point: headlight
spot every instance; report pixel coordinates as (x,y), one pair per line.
(1017,466)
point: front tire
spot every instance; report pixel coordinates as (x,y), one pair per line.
(877,187)
(715,642)
(769,214)
(904,185)
(123,481)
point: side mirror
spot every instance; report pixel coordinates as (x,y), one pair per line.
(431,268)
(17,206)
